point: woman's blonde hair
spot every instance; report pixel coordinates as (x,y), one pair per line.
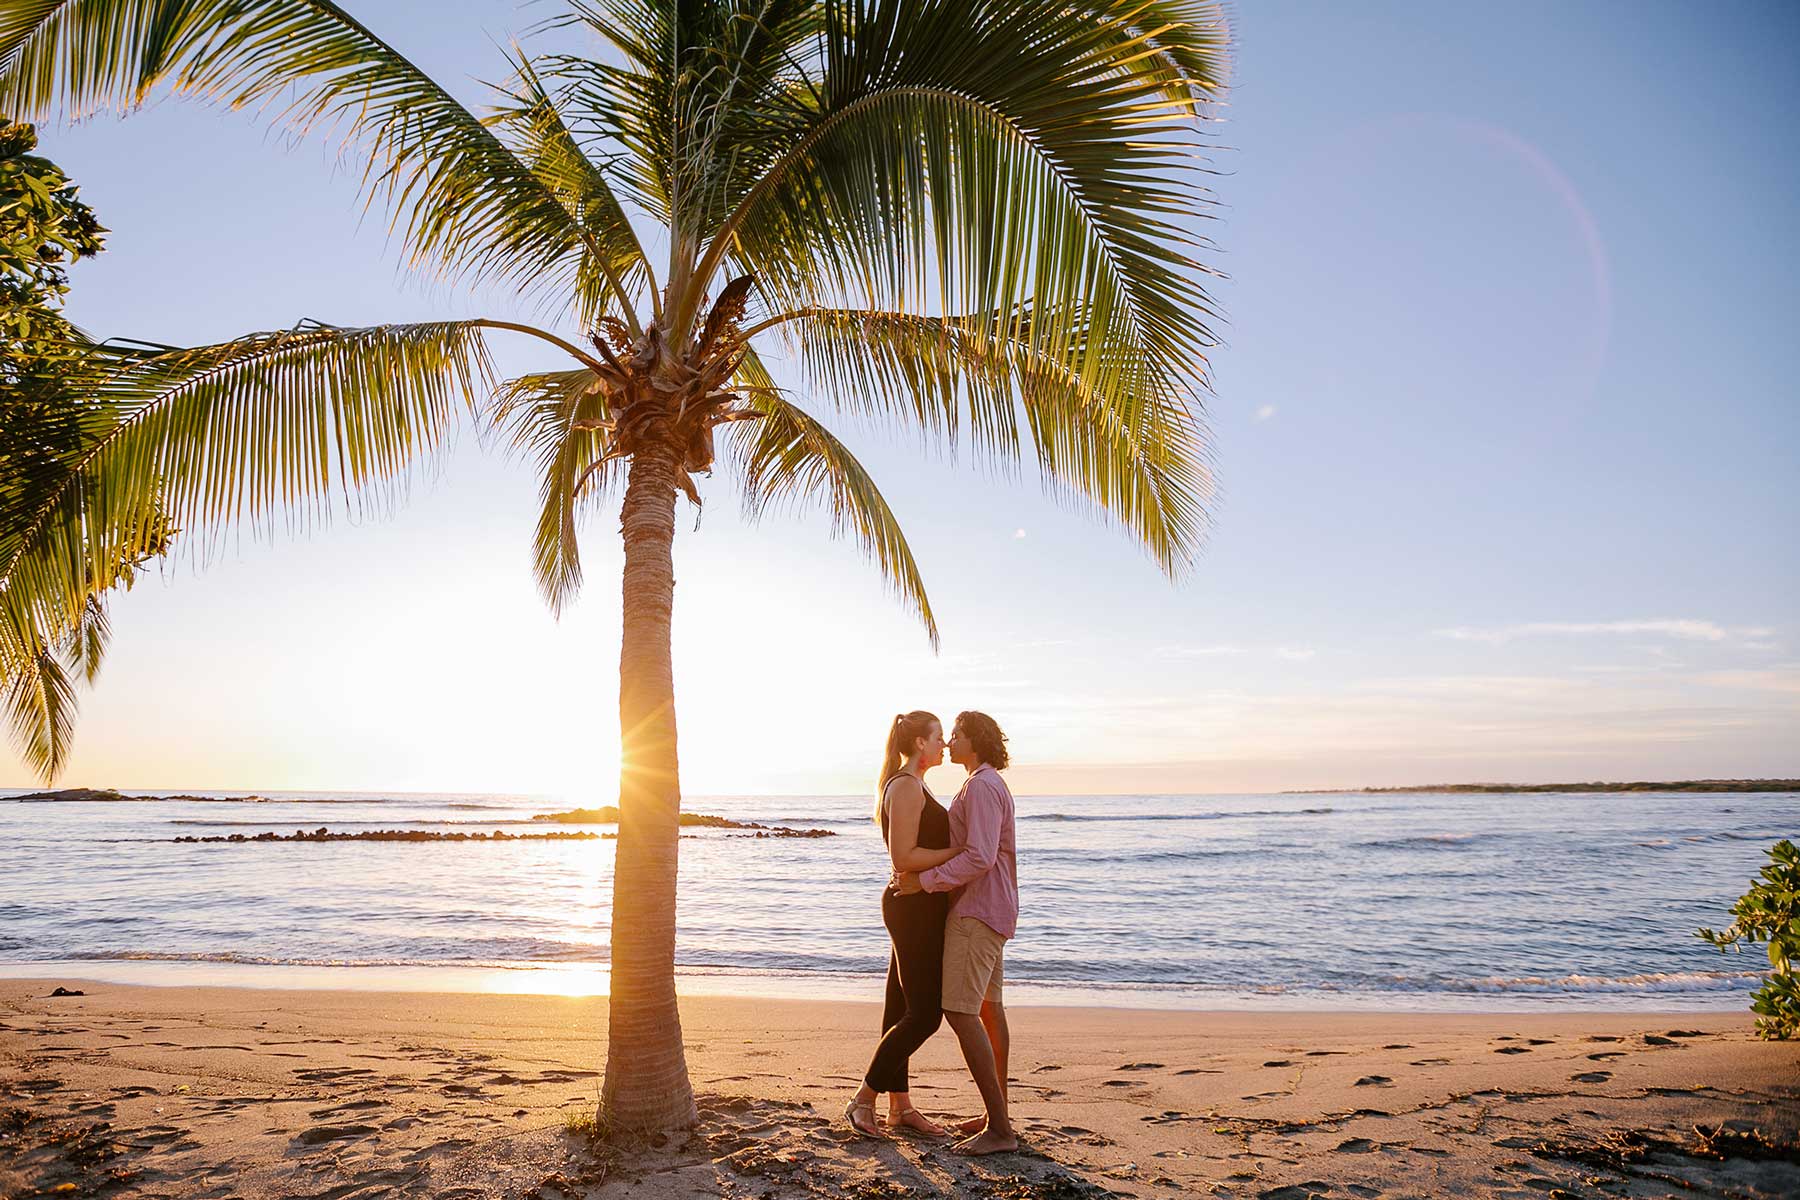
(906,730)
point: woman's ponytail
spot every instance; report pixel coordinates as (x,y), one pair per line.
(907,728)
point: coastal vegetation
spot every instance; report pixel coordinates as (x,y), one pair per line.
(1770,913)
(969,221)
(48,419)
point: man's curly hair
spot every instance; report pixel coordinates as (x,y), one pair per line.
(985,733)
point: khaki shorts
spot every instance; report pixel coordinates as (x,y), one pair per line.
(974,964)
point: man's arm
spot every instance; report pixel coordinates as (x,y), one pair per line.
(982,842)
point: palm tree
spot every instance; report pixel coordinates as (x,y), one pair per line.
(970,217)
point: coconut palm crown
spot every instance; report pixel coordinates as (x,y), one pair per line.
(974,219)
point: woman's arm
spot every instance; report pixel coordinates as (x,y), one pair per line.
(906,801)
(921,859)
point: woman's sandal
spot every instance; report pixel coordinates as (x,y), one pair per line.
(929,1129)
(850,1111)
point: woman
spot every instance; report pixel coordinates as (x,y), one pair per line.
(917,831)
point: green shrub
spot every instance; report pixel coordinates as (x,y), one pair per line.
(1770,912)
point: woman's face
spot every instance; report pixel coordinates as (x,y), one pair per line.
(931,747)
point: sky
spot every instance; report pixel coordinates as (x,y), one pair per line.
(1504,427)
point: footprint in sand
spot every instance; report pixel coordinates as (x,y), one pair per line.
(1512,1050)
(1602,1038)
(1375,1081)
(1685,1033)
(1296,1191)
(1591,1077)
(1201,1071)
(320,1134)
(1606,1056)
(1354,1146)
(1141,1067)
(1537,1041)
(1323,1053)
(1118,1083)
(1429,1062)
(1398,1046)
(1650,1039)
(1278,1062)
(1041,1070)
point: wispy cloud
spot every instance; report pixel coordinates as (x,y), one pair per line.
(1784,679)
(1668,627)
(1285,653)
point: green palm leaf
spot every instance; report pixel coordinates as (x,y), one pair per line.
(964,160)
(786,458)
(556,418)
(39,699)
(462,200)
(203,438)
(1107,430)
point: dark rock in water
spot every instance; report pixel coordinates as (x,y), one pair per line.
(608,814)
(324,834)
(63,991)
(109,796)
(76,795)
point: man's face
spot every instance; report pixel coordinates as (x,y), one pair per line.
(962,750)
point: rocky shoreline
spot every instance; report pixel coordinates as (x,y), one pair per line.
(325,834)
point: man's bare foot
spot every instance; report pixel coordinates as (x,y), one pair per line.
(972,1125)
(985,1143)
(912,1118)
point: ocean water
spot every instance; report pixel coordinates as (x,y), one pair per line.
(1427,901)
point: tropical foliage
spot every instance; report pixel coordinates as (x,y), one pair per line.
(48,416)
(978,221)
(1770,912)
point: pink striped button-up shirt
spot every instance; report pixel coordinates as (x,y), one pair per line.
(985,876)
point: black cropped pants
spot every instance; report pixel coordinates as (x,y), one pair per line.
(915,984)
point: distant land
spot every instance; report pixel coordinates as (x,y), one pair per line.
(1675,785)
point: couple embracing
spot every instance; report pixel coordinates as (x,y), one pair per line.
(950,907)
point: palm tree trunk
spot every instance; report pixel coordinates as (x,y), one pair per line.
(647,1086)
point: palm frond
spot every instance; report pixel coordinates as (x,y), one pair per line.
(786,458)
(688,105)
(613,263)
(556,418)
(461,200)
(1103,427)
(39,699)
(1040,160)
(204,438)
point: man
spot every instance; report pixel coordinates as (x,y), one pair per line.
(984,913)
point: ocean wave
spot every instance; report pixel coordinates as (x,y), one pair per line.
(389,822)
(1167,816)
(1652,981)
(1425,841)
(572,954)
(1193,854)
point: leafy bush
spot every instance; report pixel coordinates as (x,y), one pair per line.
(1770,912)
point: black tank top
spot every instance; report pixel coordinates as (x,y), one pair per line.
(934,821)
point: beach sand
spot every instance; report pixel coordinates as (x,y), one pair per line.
(191,1091)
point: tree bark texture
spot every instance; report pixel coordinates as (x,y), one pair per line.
(647,1086)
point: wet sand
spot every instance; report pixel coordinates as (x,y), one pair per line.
(217,1092)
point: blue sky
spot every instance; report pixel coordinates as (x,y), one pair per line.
(1504,426)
